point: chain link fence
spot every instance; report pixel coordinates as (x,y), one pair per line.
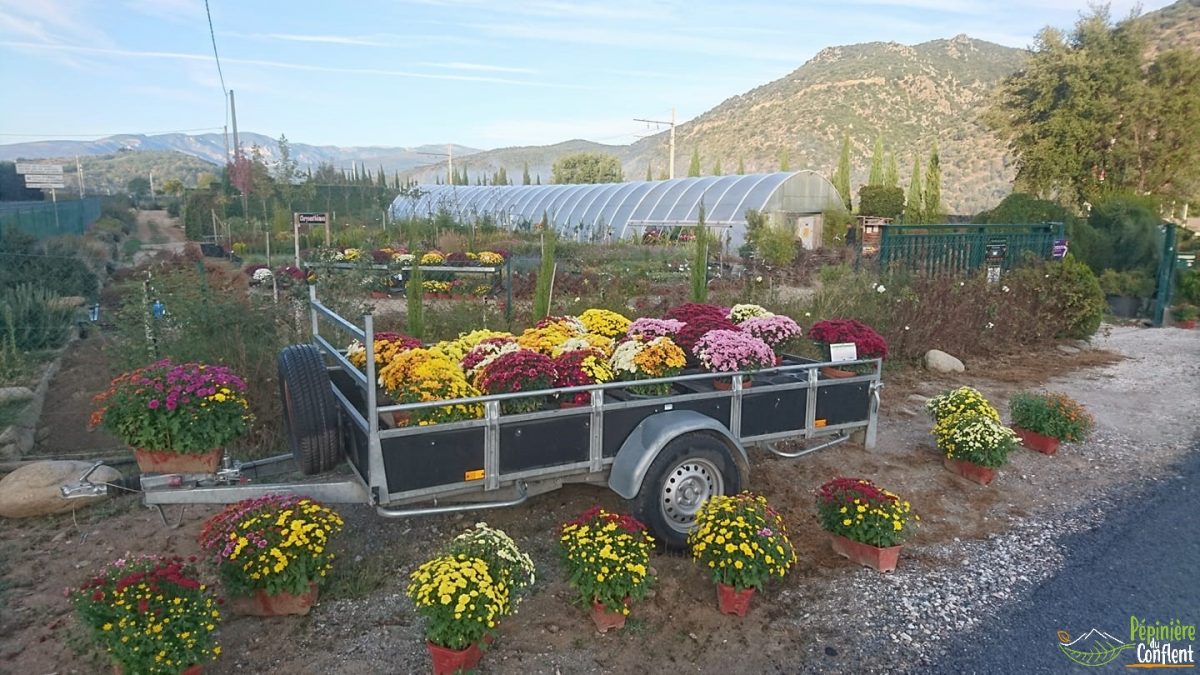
(49,219)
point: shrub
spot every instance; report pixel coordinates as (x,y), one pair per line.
(1068,297)
(33,318)
(1189,286)
(880,201)
(1132,283)
(1056,415)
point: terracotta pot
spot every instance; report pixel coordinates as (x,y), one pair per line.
(573,404)
(1187,324)
(1047,445)
(724,384)
(378,295)
(449,661)
(970,470)
(402,418)
(166,461)
(606,619)
(262,603)
(828,371)
(731,600)
(878,559)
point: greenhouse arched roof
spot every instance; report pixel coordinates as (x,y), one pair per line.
(617,209)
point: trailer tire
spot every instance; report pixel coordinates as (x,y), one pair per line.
(309,412)
(688,470)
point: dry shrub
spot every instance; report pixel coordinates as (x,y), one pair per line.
(450,242)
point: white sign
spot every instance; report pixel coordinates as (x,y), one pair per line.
(43,181)
(42,169)
(46,186)
(840,352)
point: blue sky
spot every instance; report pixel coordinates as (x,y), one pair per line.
(484,73)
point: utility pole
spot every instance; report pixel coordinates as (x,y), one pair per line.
(450,160)
(237,152)
(79,174)
(151,186)
(671,142)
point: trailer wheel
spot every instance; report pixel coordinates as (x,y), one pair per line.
(309,413)
(688,470)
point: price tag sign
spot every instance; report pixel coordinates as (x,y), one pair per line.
(1060,248)
(843,351)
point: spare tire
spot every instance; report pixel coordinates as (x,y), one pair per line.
(309,411)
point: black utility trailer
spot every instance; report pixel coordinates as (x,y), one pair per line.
(666,454)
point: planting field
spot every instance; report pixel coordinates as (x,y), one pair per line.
(979,548)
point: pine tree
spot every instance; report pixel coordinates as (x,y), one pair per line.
(525,175)
(662,175)
(876,176)
(502,177)
(932,208)
(741,167)
(649,174)
(694,165)
(716,170)
(785,160)
(913,203)
(841,177)
(539,179)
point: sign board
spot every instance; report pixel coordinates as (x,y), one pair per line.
(843,351)
(46,186)
(993,274)
(1060,249)
(996,251)
(1185,260)
(42,169)
(312,218)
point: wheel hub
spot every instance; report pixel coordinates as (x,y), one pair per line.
(686,488)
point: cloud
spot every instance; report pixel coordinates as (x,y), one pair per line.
(617,10)
(170,10)
(383,72)
(50,21)
(483,67)
(356,40)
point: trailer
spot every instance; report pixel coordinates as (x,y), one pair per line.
(665,454)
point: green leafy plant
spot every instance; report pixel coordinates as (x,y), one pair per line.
(606,557)
(414,301)
(741,541)
(150,615)
(858,509)
(1185,312)
(699,267)
(34,318)
(1052,414)
(545,276)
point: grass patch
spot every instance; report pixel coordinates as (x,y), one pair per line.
(358,580)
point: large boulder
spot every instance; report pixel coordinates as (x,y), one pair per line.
(15,394)
(941,362)
(32,490)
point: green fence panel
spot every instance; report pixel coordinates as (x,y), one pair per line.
(49,219)
(961,249)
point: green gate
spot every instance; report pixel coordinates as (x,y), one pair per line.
(960,249)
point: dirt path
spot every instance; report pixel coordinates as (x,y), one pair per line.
(976,551)
(158,231)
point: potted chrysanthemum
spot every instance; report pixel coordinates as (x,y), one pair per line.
(641,359)
(968,431)
(868,343)
(460,601)
(151,615)
(176,416)
(386,346)
(579,368)
(604,322)
(420,375)
(730,351)
(607,560)
(272,553)
(742,543)
(867,522)
(1043,421)
(512,372)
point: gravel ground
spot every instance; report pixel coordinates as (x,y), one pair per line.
(1146,409)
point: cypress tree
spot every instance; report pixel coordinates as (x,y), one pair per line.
(694,165)
(525,175)
(649,175)
(700,260)
(913,203)
(545,277)
(741,171)
(876,176)
(716,170)
(785,160)
(932,208)
(891,173)
(841,177)
(414,295)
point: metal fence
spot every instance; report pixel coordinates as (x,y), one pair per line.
(49,219)
(958,249)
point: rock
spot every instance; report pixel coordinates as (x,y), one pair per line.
(1081,345)
(15,394)
(918,398)
(830,651)
(941,362)
(32,490)
(1068,349)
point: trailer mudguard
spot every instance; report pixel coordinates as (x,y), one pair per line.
(642,446)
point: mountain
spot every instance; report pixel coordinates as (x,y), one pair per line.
(540,159)
(1174,26)
(211,148)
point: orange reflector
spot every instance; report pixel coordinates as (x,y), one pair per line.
(474,475)
(818,423)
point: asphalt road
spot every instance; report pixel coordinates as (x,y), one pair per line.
(1144,561)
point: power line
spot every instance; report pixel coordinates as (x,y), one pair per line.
(213,35)
(115,133)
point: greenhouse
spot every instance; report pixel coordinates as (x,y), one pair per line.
(793,200)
